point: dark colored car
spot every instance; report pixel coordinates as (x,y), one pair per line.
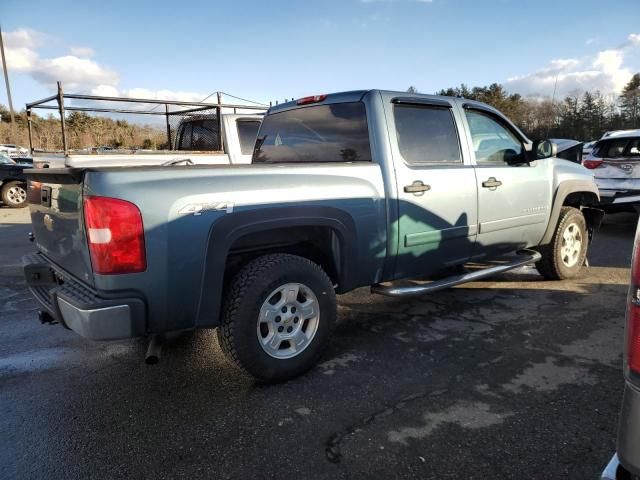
(625,465)
(13,183)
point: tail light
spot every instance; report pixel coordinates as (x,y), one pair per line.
(633,312)
(115,236)
(591,164)
(311,99)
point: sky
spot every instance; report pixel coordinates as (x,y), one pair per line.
(271,50)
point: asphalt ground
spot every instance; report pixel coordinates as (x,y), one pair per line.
(514,377)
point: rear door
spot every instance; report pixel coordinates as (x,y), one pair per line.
(513,199)
(436,185)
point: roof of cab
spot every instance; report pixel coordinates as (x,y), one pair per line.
(358,95)
(621,134)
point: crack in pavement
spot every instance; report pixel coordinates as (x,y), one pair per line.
(332,447)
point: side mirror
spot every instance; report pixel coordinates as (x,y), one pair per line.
(544,149)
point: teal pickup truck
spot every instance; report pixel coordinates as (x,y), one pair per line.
(363,188)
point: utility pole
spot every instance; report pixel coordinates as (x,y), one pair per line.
(6,81)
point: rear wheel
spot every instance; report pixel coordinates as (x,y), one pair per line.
(564,256)
(279,315)
(14,194)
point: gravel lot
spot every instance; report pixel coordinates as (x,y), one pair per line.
(514,377)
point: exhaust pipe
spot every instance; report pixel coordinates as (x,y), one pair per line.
(153,350)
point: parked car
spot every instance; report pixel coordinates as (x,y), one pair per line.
(13,150)
(615,161)
(13,183)
(625,465)
(344,190)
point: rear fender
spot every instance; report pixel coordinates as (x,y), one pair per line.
(230,228)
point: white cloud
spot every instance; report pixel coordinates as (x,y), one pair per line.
(633,40)
(20,59)
(23,38)
(20,48)
(76,73)
(605,71)
(85,52)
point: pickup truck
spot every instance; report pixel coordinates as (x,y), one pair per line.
(196,142)
(362,188)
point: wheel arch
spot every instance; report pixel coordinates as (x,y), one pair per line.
(242,236)
(579,194)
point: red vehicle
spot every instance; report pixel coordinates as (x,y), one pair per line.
(625,464)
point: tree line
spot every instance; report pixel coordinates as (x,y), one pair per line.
(581,116)
(83,131)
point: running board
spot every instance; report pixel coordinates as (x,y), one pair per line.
(524,257)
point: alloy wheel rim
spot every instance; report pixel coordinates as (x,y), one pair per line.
(571,245)
(17,195)
(288,320)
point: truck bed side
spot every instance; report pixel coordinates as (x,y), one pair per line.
(194,216)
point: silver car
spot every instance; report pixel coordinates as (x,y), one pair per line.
(615,161)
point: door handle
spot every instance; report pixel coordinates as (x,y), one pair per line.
(491,183)
(417,188)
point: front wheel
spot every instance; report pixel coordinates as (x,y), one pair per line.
(279,315)
(14,194)
(564,256)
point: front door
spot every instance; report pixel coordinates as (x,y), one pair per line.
(437,202)
(513,197)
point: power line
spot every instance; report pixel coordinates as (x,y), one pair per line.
(245,100)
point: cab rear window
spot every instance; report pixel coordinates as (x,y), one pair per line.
(318,134)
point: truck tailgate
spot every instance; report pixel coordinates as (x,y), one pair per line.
(55,202)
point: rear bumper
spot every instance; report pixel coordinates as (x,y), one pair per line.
(618,191)
(80,308)
(629,430)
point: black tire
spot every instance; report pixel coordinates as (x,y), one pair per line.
(14,194)
(552,266)
(250,289)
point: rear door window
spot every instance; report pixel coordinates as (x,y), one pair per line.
(318,134)
(426,134)
(247,133)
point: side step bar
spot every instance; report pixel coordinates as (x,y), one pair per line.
(524,257)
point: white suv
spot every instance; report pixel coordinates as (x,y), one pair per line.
(615,161)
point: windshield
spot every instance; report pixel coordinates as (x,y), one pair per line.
(321,133)
(6,160)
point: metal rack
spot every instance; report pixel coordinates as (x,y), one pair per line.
(186,109)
